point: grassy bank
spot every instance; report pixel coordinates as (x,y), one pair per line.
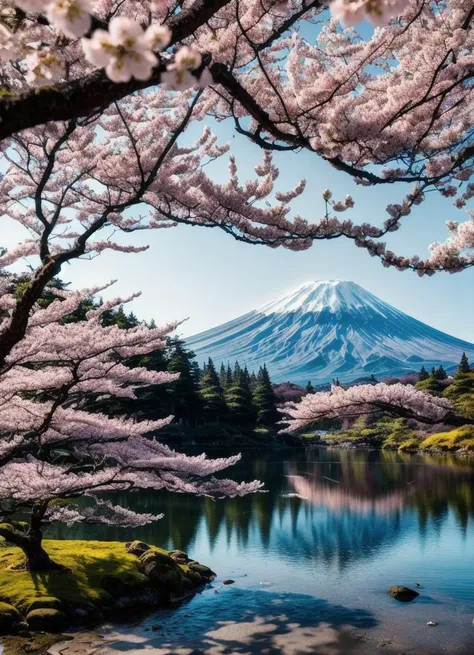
(395,434)
(101,579)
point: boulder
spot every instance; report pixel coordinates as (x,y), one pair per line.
(10,618)
(49,620)
(136,548)
(44,602)
(404,594)
(204,571)
(228,581)
(153,561)
(179,556)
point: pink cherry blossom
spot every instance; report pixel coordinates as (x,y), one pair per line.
(123,51)
(72,17)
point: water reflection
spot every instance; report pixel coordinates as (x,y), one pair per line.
(341,505)
(338,527)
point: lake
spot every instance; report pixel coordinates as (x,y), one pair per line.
(334,531)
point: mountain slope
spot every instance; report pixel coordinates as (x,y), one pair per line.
(327,329)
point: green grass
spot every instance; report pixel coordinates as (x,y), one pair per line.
(89,563)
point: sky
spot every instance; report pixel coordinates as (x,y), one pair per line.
(206,277)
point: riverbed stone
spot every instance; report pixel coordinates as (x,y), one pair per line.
(47,619)
(137,548)
(404,594)
(10,617)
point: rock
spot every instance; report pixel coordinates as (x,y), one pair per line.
(137,548)
(228,581)
(44,602)
(10,618)
(204,571)
(156,627)
(179,556)
(80,613)
(196,578)
(49,620)
(404,594)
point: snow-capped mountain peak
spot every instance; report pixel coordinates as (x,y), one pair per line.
(328,329)
(314,297)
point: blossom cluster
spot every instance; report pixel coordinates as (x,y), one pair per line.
(44,381)
(356,401)
(125,50)
(378,12)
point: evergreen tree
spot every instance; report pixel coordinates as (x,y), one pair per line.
(239,398)
(310,388)
(253,382)
(229,377)
(223,376)
(464,365)
(185,400)
(264,399)
(440,373)
(423,374)
(211,393)
(433,373)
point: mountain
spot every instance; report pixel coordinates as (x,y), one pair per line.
(328,329)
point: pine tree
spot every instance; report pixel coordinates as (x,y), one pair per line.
(185,400)
(423,374)
(253,382)
(223,376)
(264,399)
(229,377)
(464,365)
(440,373)
(310,388)
(238,397)
(211,393)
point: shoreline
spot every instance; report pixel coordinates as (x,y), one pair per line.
(367,445)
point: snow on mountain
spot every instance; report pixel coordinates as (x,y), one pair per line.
(328,329)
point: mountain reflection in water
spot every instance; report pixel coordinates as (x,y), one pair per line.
(334,528)
(322,496)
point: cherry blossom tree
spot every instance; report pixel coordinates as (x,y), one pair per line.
(52,450)
(393,108)
(358,400)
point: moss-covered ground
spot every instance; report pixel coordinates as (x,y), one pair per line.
(97,579)
(89,562)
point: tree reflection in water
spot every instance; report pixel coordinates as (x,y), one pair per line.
(349,503)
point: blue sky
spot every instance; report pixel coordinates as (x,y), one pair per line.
(205,275)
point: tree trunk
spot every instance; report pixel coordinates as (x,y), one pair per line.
(36,558)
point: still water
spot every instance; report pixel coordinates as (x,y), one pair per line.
(334,531)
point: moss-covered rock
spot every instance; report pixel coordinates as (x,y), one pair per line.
(10,617)
(45,602)
(403,594)
(179,556)
(204,571)
(46,619)
(137,548)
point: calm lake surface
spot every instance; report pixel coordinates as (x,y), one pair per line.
(360,522)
